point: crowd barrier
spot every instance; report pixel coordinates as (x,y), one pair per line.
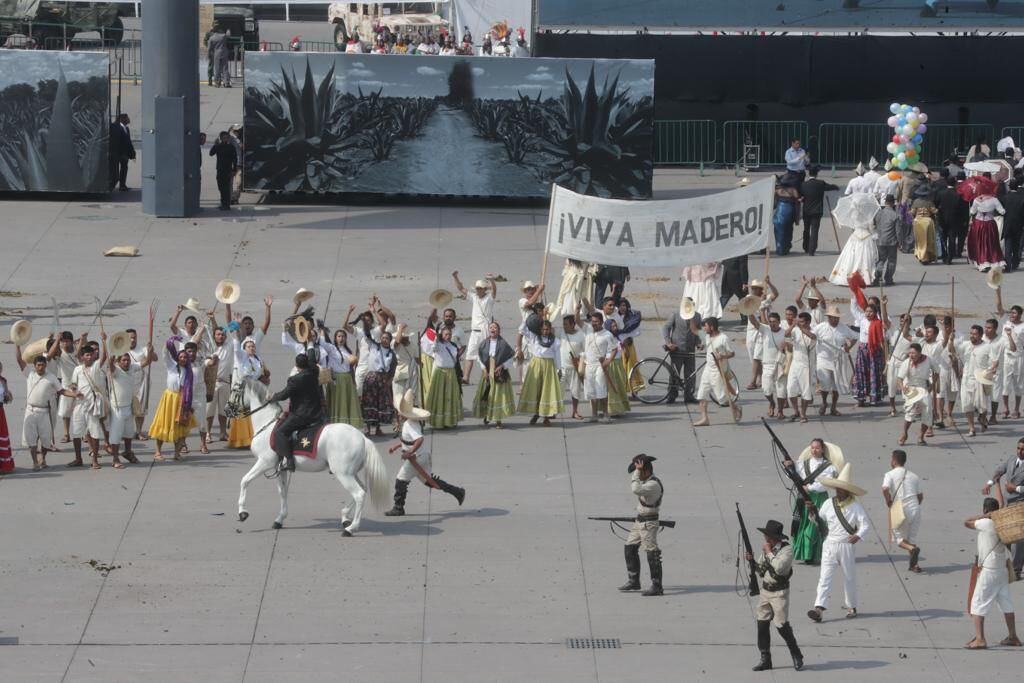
(685,142)
(755,143)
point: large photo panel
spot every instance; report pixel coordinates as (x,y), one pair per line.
(448,126)
(54,121)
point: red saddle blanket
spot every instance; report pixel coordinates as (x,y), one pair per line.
(305,440)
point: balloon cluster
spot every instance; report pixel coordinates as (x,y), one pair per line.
(909,126)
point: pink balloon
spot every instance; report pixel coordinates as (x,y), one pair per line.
(897,139)
(892,121)
(923,118)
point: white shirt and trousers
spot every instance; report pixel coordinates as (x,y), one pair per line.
(837,551)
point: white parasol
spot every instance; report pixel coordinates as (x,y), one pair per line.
(856,211)
(982,166)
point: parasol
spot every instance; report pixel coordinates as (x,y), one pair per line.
(856,211)
(982,166)
(976,186)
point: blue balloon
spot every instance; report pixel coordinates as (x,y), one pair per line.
(917,139)
(893,108)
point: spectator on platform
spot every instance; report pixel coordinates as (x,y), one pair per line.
(812,193)
(353,46)
(400,47)
(427,47)
(487,48)
(796,158)
(449,48)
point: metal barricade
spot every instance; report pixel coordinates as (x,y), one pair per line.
(318,46)
(271,46)
(847,144)
(943,140)
(1015,132)
(685,142)
(773,138)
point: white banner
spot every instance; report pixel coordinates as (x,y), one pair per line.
(663,232)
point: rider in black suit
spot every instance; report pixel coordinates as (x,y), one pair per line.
(305,408)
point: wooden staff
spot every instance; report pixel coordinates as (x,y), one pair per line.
(737,412)
(547,238)
(832,219)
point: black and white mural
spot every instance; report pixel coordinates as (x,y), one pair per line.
(464,126)
(54,123)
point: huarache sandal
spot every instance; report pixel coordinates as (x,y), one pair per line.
(971,432)
(922,442)
(130,457)
(822,410)
(901,440)
(835,413)
(95,466)
(118,465)
(973,644)
(852,614)
(77,462)
(1010,642)
(158,458)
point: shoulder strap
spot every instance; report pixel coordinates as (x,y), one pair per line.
(657,503)
(842,518)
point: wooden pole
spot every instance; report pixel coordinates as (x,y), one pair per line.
(547,237)
(832,219)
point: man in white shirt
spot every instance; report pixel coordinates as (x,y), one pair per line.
(847,523)
(482,298)
(916,374)
(773,377)
(932,346)
(713,384)
(992,587)
(599,351)
(902,486)
(65,354)
(899,345)
(1013,361)
(247,326)
(87,383)
(40,387)
(1001,344)
(124,376)
(833,366)
(801,378)
(796,157)
(975,393)
(573,349)
(140,404)
(858,184)
(222,351)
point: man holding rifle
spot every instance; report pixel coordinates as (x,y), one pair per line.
(649,492)
(775,567)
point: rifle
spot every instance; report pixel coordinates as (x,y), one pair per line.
(798,483)
(752,588)
(668,524)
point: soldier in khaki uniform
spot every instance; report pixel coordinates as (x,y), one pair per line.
(775,567)
(644,532)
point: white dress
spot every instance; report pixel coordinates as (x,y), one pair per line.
(703,284)
(859,255)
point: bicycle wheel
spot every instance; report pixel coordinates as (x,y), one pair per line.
(656,378)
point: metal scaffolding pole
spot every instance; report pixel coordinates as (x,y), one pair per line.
(170,108)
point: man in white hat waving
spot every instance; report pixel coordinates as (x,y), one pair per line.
(833,364)
(916,379)
(482,298)
(847,524)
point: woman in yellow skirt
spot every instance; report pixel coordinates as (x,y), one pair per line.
(342,398)
(627,336)
(924,230)
(173,419)
(494,400)
(541,393)
(444,397)
(251,385)
(618,395)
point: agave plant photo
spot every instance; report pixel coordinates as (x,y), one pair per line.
(603,146)
(55,134)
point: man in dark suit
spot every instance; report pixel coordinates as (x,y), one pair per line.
(305,408)
(227,164)
(953,212)
(615,277)
(121,151)
(1013,224)
(681,344)
(813,192)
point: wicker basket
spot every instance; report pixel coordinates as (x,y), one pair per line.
(1010,523)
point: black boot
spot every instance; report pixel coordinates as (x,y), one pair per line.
(457,492)
(401,489)
(654,562)
(786,631)
(632,569)
(289,463)
(764,644)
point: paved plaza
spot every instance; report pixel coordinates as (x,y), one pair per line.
(145,574)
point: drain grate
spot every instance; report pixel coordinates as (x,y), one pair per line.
(593,643)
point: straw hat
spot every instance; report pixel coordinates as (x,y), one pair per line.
(918,168)
(302,295)
(986,377)
(193,304)
(408,410)
(480,284)
(21,332)
(843,482)
(749,304)
(811,296)
(687,308)
(550,310)
(912,395)
(994,278)
(300,330)
(36,348)
(833,312)
(440,298)
(123,250)
(227,291)
(529,284)
(118,343)
(756,283)
(833,452)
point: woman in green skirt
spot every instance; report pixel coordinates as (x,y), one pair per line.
(494,400)
(819,460)
(618,395)
(541,393)
(342,399)
(444,397)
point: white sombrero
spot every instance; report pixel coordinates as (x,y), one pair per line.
(118,343)
(843,482)
(302,295)
(480,284)
(193,305)
(833,312)
(994,278)
(21,332)
(227,292)
(912,395)
(529,284)
(749,304)
(687,308)
(986,377)
(409,411)
(36,348)
(833,452)
(439,298)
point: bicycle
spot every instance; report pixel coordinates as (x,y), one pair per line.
(652,379)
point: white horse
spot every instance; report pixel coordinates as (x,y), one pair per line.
(342,448)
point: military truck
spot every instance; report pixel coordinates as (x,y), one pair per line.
(402,18)
(42,19)
(240,23)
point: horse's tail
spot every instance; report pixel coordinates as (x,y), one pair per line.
(377,480)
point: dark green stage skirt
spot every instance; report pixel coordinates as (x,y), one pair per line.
(808,541)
